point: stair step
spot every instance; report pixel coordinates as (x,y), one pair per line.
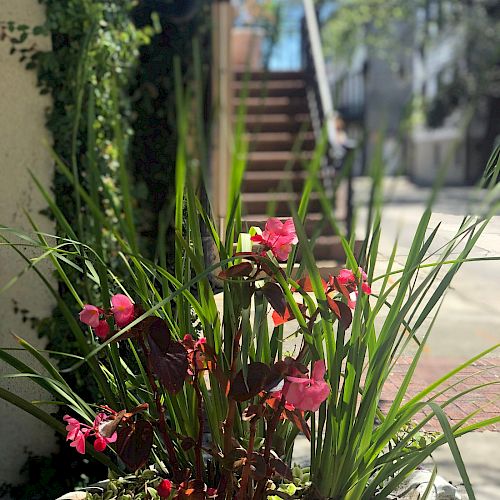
(329,248)
(281,141)
(272,88)
(284,105)
(262,181)
(269,75)
(277,160)
(277,202)
(313,222)
(258,203)
(279,122)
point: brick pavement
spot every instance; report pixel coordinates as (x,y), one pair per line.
(430,369)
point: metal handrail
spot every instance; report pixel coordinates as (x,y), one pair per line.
(321,104)
(325,96)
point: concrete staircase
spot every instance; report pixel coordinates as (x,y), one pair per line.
(277,115)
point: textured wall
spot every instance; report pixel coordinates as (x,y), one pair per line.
(23,140)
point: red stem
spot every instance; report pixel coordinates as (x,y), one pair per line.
(199,443)
(271,428)
(162,423)
(247,469)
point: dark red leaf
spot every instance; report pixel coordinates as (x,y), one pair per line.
(258,466)
(297,418)
(342,312)
(237,271)
(281,468)
(276,297)
(345,314)
(170,366)
(134,444)
(158,332)
(252,412)
(188,443)
(276,375)
(243,389)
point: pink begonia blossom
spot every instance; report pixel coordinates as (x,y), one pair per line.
(308,393)
(347,278)
(78,433)
(73,427)
(164,488)
(102,329)
(90,315)
(278,237)
(123,309)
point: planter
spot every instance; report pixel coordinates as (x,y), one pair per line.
(246,47)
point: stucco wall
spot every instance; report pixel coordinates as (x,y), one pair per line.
(23,139)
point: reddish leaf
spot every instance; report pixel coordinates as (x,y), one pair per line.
(341,288)
(306,284)
(192,490)
(134,444)
(276,297)
(333,306)
(281,468)
(258,466)
(244,389)
(237,271)
(280,319)
(345,314)
(170,366)
(297,418)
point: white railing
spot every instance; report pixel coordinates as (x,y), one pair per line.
(318,60)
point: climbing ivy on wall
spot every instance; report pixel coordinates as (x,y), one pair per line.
(116,56)
(95,49)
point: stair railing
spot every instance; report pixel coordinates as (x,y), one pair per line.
(321,103)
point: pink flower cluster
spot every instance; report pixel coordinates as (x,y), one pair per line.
(278,237)
(347,278)
(305,393)
(78,433)
(122,309)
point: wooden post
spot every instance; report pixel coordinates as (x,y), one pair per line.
(222,17)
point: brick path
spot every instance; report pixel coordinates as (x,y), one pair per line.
(430,369)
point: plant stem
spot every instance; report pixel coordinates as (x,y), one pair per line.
(199,443)
(227,478)
(162,423)
(271,428)
(246,469)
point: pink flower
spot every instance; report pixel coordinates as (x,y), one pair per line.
(347,278)
(211,492)
(278,237)
(73,427)
(164,488)
(79,442)
(102,329)
(79,436)
(308,393)
(90,315)
(123,309)
(102,441)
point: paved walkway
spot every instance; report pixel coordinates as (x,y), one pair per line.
(485,400)
(468,323)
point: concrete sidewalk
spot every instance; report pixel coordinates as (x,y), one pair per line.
(468,323)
